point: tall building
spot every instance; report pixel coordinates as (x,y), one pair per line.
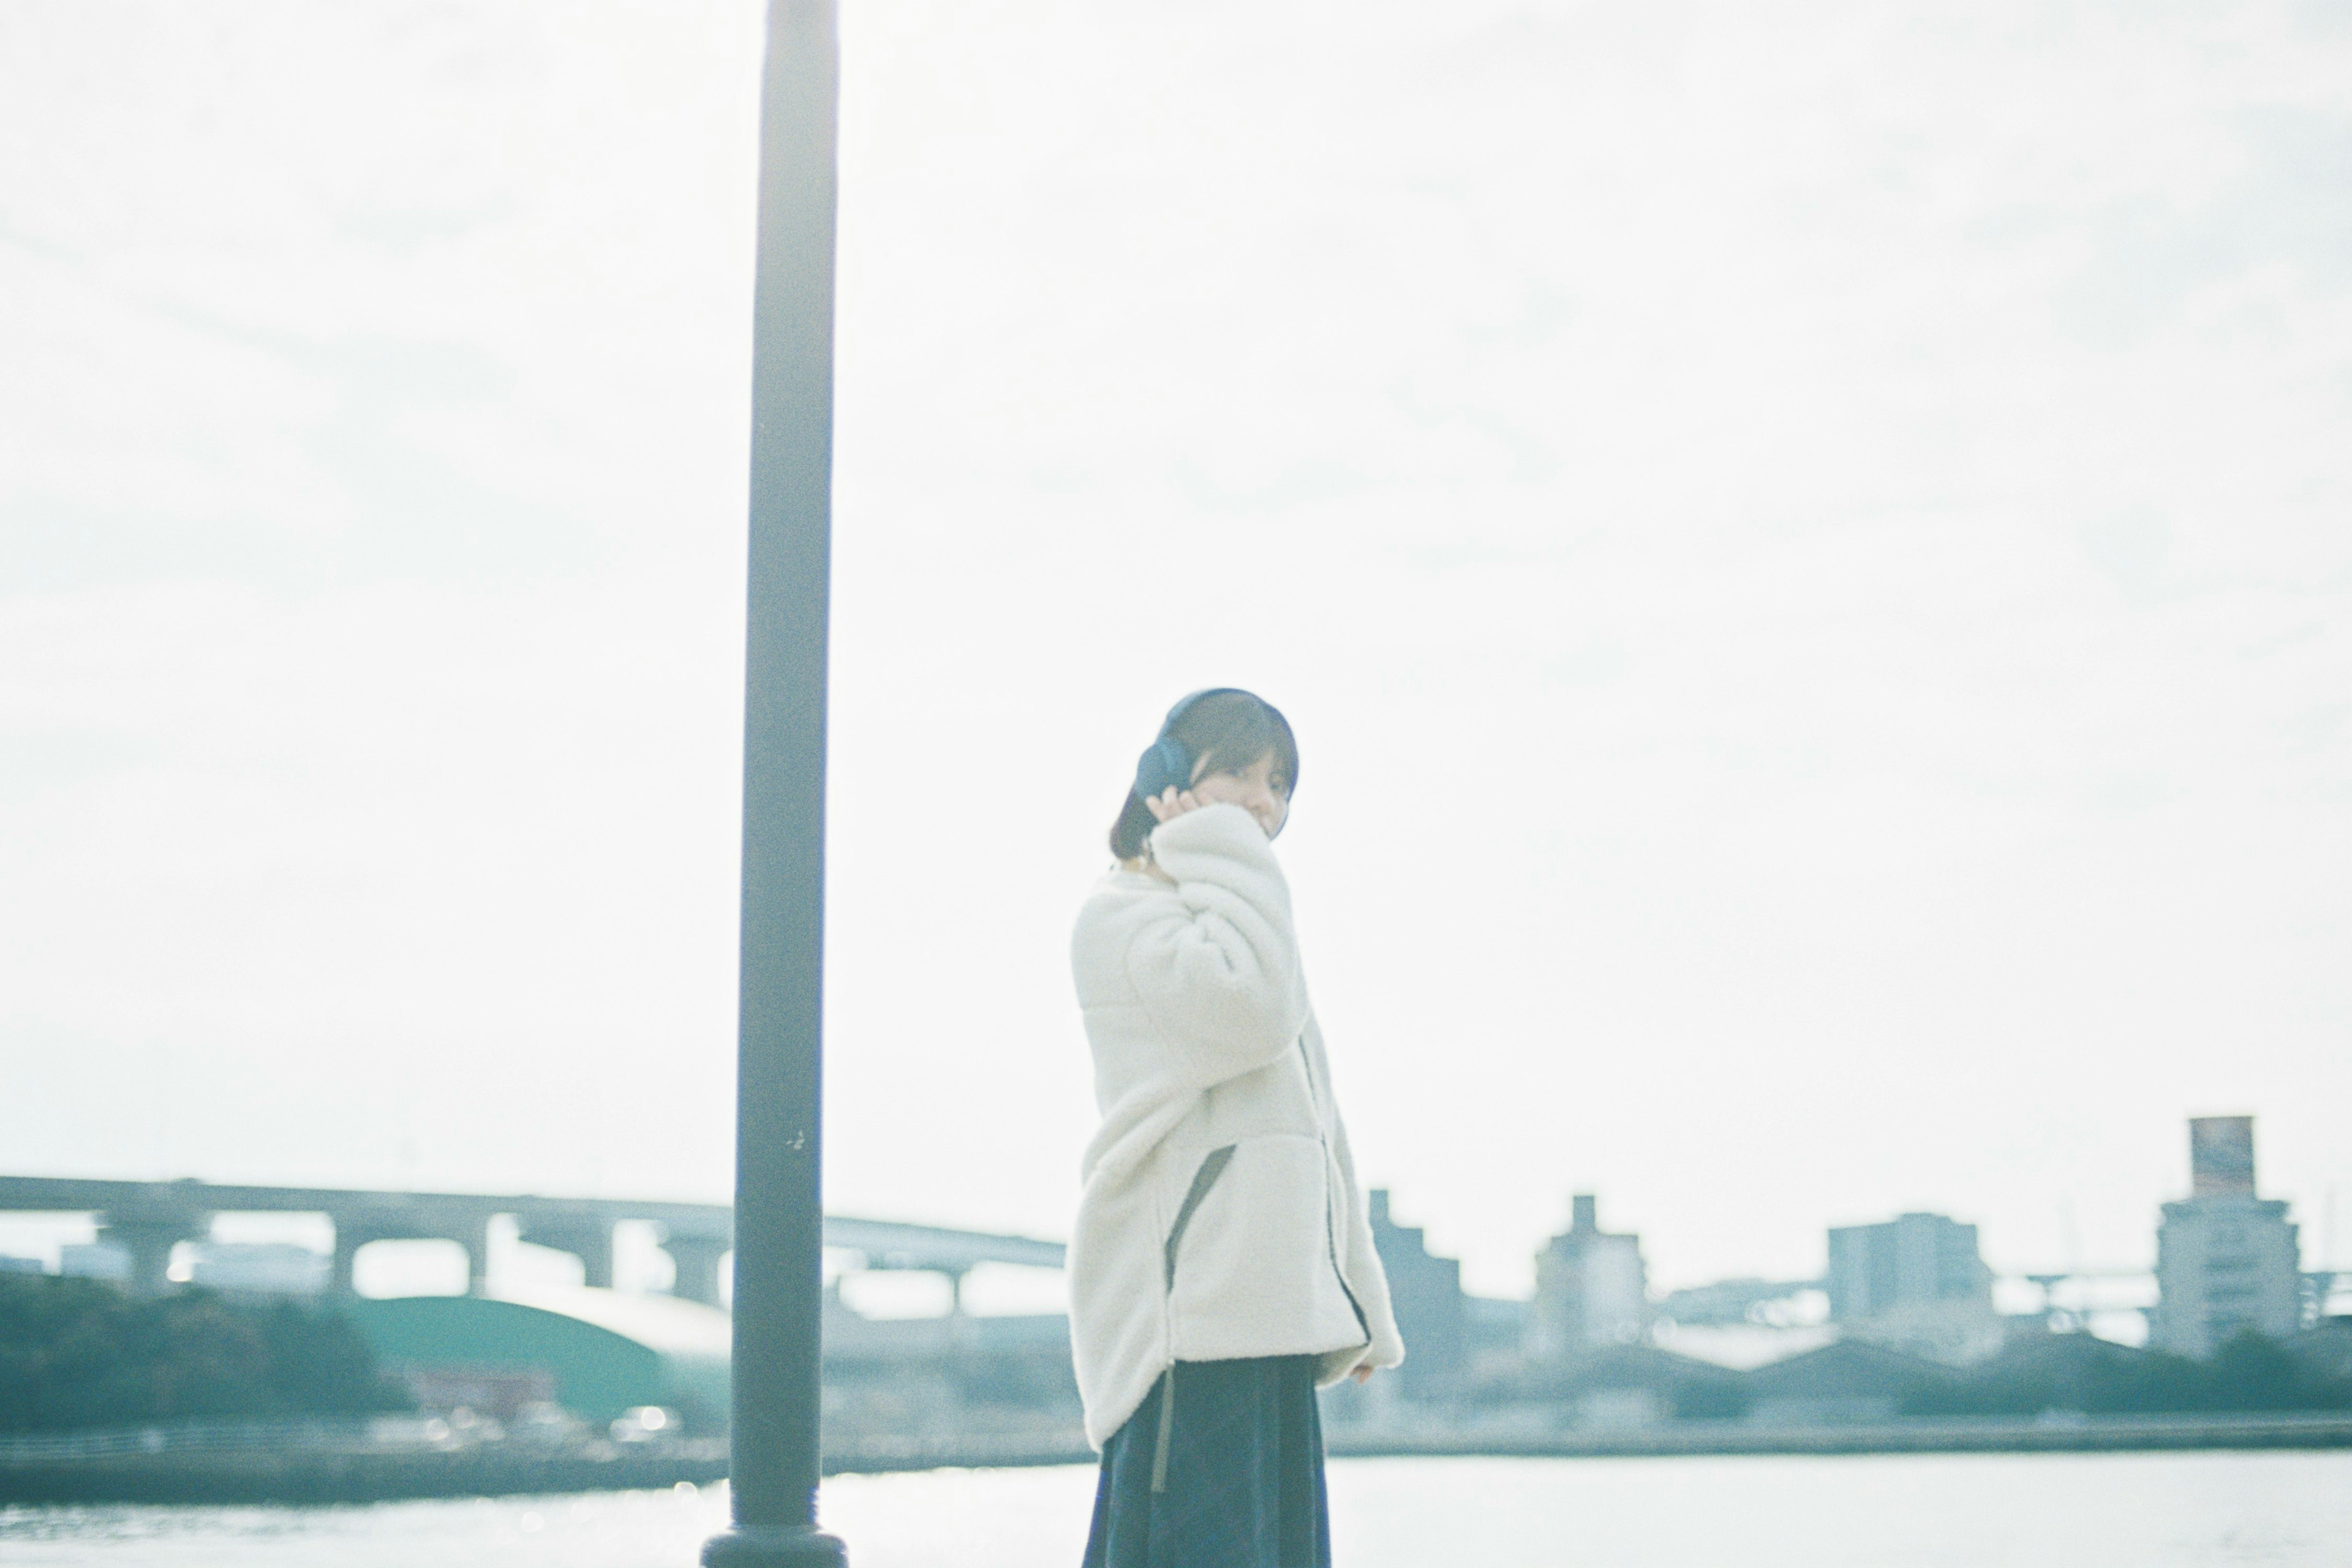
(1910,1261)
(2226,1259)
(1592,1289)
(1916,1282)
(1426,1292)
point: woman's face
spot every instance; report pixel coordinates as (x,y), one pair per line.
(1254,788)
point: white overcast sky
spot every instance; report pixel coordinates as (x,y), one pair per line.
(1807,547)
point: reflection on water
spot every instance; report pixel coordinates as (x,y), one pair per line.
(2147,1510)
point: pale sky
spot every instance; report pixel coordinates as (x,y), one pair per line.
(1806,548)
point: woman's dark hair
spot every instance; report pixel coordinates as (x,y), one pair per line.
(1224,730)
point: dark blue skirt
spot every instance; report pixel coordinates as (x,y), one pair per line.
(1242,1483)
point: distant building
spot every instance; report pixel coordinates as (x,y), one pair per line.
(2226,1259)
(597,1353)
(260,1268)
(1909,1261)
(942,1376)
(2326,1349)
(94,1261)
(1917,1281)
(1849,1381)
(1497,1331)
(267,1267)
(1426,1293)
(1727,1302)
(1592,1289)
(1740,1347)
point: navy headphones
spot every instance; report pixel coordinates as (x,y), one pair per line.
(1167,762)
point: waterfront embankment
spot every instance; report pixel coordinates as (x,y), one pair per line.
(1958,1435)
(220,1465)
(150,1468)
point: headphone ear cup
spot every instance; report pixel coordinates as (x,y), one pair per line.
(1166,764)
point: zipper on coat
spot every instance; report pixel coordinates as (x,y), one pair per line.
(1330,1218)
(1202,1180)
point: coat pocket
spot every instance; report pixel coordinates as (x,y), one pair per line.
(1249,1265)
(1202,1180)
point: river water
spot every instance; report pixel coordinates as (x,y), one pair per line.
(2132,1510)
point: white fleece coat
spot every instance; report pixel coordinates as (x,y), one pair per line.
(1203,1042)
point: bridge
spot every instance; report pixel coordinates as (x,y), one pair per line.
(147,1219)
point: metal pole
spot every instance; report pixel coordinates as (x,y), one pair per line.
(779,1224)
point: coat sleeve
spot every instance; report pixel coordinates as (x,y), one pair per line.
(1218,971)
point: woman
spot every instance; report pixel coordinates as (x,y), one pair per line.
(1222,1267)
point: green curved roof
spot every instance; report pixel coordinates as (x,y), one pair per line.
(605,1351)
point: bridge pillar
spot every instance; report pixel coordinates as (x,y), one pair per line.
(696,1258)
(591,1241)
(476,1243)
(149,1239)
(353,1232)
(349,1239)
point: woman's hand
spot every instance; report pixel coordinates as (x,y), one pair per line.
(1170,804)
(1362,1375)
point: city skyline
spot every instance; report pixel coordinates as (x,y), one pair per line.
(2222,1158)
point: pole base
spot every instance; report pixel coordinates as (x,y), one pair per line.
(797,1546)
